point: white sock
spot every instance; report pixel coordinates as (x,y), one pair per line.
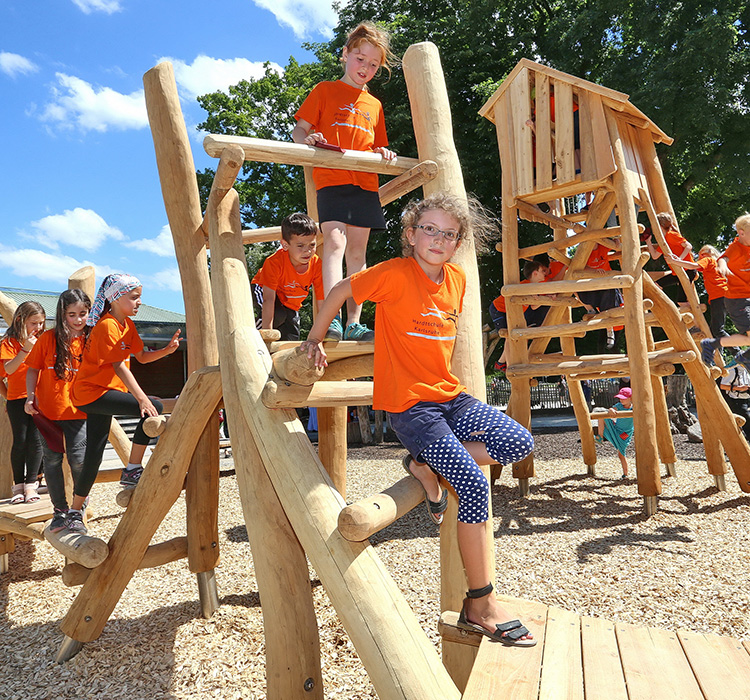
(132,466)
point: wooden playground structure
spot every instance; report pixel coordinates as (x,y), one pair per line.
(293,497)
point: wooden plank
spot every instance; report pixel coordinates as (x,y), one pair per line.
(543,133)
(721,665)
(604,160)
(602,671)
(510,672)
(562,666)
(28,512)
(588,148)
(520,113)
(655,665)
(564,144)
(334,350)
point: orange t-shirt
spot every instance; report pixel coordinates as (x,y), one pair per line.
(109,342)
(350,118)
(599,258)
(416,323)
(52,393)
(500,301)
(738,261)
(676,242)
(291,287)
(714,282)
(9,348)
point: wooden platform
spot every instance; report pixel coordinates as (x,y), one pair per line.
(593,659)
(28,512)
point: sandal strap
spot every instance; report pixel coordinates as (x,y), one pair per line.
(439,506)
(508,626)
(514,634)
(480,592)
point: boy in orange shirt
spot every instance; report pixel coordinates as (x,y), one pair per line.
(734,264)
(679,248)
(283,282)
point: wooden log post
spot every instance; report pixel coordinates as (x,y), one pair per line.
(359,521)
(646,459)
(664,441)
(83,549)
(158,489)
(400,660)
(182,203)
(7,309)
(433,128)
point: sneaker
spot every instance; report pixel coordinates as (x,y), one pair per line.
(743,358)
(500,366)
(129,477)
(358,331)
(58,520)
(335,330)
(708,347)
(74,522)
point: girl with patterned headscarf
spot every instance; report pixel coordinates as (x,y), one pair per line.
(106,387)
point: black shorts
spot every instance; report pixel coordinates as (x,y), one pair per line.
(350,205)
(285,320)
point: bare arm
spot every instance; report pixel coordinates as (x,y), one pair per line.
(652,249)
(13,365)
(146,356)
(32,377)
(722,267)
(681,262)
(301,134)
(336,298)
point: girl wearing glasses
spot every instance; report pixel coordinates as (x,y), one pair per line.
(447,432)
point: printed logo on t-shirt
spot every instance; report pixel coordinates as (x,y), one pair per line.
(442,329)
(291,287)
(340,118)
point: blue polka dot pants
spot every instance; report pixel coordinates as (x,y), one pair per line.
(506,442)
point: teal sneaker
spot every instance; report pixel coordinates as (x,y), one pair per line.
(358,331)
(335,330)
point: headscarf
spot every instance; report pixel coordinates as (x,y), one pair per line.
(111,288)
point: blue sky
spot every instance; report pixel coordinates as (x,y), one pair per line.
(79,177)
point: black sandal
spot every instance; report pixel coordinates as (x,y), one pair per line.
(435,509)
(507,633)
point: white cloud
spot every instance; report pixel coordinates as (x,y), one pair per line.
(168,280)
(78,103)
(13,65)
(38,264)
(304,17)
(206,74)
(162,245)
(83,228)
(89,6)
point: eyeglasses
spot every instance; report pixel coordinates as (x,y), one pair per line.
(433,231)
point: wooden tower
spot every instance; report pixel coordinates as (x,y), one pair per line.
(560,136)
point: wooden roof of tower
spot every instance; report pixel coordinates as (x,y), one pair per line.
(568,151)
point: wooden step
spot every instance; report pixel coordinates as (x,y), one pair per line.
(596,659)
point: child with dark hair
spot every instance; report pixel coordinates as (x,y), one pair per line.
(53,364)
(283,282)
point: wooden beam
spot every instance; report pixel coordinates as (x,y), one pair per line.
(287,153)
(83,549)
(568,285)
(417,176)
(322,394)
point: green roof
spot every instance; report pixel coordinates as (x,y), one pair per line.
(48,300)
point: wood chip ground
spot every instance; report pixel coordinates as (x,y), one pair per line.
(578,542)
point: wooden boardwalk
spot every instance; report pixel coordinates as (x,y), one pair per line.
(586,658)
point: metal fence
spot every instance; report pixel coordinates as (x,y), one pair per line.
(549,394)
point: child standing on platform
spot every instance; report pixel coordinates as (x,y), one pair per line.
(618,430)
(53,363)
(26,451)
(106,387)
(445,430)
(734,264)
(344,114)
(283,282)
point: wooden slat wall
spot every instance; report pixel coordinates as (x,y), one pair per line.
(605,161)
(543,133)
(520,112)
(564,146)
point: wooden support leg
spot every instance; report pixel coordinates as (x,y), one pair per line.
(7,545)
(664,441)
(202,500)
(332,444)
(158,489)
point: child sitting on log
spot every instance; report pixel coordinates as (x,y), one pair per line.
(283,282)
(446,431)
(599,300)
(618,430)
(53,363)
(734,264)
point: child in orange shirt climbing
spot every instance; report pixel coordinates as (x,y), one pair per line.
(105,386)
(283,282)
(26,449)
(734,264)
(344,114)
(445,430)
(53,363)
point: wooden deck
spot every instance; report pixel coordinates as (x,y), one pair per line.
(586,658)
(28,512)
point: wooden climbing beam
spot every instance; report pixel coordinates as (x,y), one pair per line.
(568,286)
(319,395)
